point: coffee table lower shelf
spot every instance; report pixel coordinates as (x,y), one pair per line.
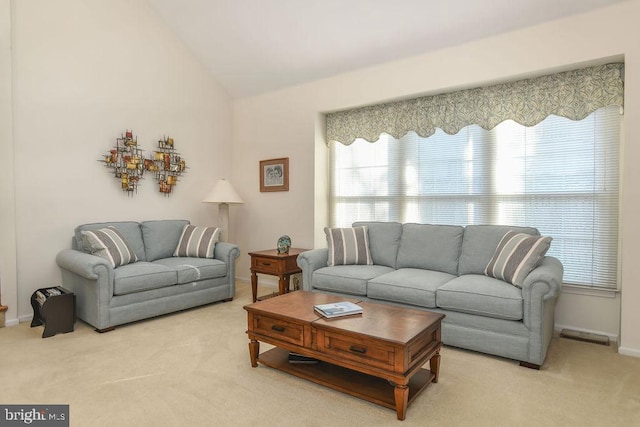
(367,387)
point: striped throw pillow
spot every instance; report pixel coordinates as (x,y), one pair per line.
(348,246)
(110,244)
(516,255)
(197,242)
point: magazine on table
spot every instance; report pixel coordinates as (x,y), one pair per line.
(301,358)
(338,309)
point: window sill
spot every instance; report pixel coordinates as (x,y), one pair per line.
(589,291)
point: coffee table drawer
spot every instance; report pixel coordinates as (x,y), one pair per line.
(347,347)
(278,329)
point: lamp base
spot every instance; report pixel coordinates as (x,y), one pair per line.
(223,218)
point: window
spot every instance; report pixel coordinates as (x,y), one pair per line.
(560,176)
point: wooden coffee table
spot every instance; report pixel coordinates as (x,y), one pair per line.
(377,356)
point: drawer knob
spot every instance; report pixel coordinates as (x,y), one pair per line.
(278,328)
(360,350)
(266,263)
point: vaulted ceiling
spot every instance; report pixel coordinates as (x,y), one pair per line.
(256,46)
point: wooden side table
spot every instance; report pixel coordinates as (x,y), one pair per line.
(275,264)
(53,307)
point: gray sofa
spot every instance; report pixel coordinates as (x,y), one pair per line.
(157,283)
(442,268)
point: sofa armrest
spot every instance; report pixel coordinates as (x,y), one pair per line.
(309,262)
(83,264)
(540,292)
(546,277)
(91,279)
(541,286)
(228,252)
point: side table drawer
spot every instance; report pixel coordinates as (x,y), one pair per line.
(265,265)
(278,329)
(346,347)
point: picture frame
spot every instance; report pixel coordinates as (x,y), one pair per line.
(274,175)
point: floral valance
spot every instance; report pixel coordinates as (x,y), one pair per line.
(572,94)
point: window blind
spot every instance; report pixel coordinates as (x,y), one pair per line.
(560,176)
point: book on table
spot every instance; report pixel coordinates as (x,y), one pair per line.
(338,309)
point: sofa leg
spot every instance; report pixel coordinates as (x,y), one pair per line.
(530,365)
(109,329)
(227,300)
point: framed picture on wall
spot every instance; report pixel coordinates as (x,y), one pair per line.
(274,175)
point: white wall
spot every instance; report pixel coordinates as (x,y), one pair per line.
(285,123)
(83,72)
(8,289)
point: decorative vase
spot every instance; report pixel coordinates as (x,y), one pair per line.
(284,244)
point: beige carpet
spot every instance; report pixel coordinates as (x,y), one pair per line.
(192,369)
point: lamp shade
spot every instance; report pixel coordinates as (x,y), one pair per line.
(223,192)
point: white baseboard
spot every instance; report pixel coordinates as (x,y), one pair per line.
(629,351)
(25,318)
(264,280)
(17,320)
(243,279)
(11,322)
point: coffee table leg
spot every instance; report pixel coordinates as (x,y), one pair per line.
(254,350)
(434,366)
(401,394)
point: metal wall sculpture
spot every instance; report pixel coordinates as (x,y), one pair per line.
(167,164)
(129,164)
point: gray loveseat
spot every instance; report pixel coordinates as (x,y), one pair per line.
(442,268)
(156,283)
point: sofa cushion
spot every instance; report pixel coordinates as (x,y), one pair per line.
(194,269)
(142,276)
(479,243)
(409,286)
(130,230)
(161,237)
(516,255)
(384,241)
(348,246)
(348,279)
(430,247)
(481,295)
(109,244)
(198,242)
